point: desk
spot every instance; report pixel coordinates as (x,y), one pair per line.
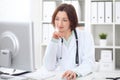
(57,76)
(93,76)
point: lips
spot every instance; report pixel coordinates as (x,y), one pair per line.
(61,27)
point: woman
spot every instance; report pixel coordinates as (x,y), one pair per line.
(64,50)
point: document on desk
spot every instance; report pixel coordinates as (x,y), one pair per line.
(11,71)
(41,74)
(103,75)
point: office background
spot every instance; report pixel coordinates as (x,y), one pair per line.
(96,16)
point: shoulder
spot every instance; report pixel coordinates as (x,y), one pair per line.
(84,35)
(83,32)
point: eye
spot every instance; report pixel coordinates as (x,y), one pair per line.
(56,19)
(65,20)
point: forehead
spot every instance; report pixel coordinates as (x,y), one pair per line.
(62,14)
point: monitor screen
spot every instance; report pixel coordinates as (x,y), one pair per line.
(17,45)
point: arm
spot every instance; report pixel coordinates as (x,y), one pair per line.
(50,57)
(87,58)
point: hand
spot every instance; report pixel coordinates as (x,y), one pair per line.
(69,75)
(57,35)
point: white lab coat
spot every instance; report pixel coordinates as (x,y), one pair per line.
(86,54)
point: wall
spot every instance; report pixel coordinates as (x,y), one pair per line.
(14,10)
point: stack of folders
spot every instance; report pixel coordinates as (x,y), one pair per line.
(106,63)
(12,72)
(101,12)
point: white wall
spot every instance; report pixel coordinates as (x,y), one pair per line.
(14,10)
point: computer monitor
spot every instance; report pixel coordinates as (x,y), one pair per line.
(17,45)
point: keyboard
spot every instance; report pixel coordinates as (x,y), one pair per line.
(8,77)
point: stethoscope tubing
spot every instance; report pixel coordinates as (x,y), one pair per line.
(77,54)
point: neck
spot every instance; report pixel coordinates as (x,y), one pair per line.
(67,34)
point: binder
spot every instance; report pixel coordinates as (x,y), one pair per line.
(108,12)
(100,12)
(94,12)
(48,9)
(117,11)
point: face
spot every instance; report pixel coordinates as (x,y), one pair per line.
(62,23)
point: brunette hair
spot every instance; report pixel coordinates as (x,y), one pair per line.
(71,13)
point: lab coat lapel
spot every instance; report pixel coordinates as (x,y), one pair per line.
(72,43)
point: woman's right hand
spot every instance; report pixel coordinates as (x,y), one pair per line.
(57,35)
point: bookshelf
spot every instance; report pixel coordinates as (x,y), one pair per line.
(109,23)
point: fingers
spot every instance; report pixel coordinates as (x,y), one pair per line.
(69,75)
(57,35)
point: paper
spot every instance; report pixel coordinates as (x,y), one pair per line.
(8,77)
(10,71)
(41,74)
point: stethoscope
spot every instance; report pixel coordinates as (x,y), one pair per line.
(77,55)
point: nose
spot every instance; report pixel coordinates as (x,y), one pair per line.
(59,23)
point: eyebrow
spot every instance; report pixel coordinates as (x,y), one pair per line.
(62,18)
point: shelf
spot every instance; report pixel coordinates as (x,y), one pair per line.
(112,27)
(117,47)
(102,47)
(117,23)
(102,23)
(98,52)
(101,0)
(97,29)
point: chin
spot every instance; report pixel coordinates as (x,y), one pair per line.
(61,31)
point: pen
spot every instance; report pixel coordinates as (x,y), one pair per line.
(110,78)
(113,78)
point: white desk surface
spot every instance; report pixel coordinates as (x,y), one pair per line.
(93,76)
(45,75)
(57,75)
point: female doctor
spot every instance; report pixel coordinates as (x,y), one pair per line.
(70,49)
